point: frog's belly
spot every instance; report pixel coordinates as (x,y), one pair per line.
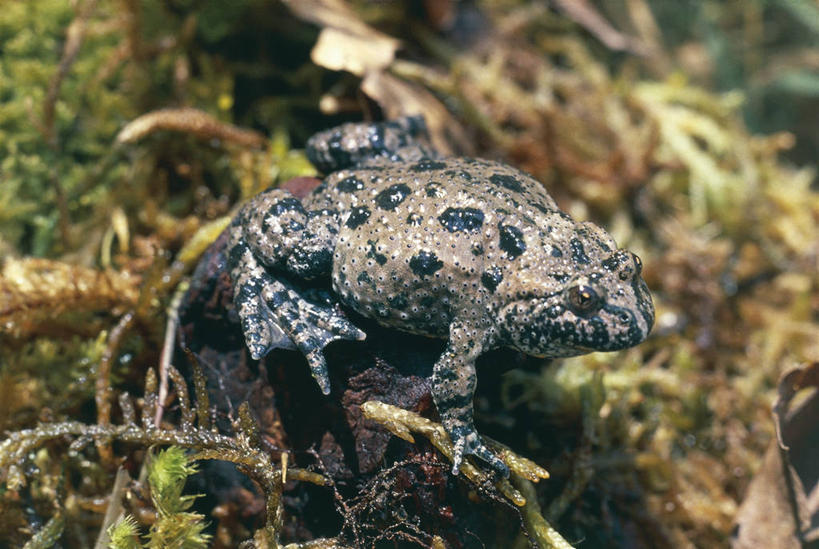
(399,279)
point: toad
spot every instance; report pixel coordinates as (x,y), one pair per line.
(472,251)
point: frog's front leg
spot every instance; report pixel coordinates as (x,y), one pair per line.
(453,389)
(274,233)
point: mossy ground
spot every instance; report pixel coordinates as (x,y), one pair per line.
(689,133)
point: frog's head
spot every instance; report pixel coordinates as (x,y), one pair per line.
(602,305)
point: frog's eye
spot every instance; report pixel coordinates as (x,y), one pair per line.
(584,300)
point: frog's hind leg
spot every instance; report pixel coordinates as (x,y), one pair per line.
(273,233)
(358,143)
(311,327)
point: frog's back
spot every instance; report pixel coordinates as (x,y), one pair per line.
(416,239)
(434,181)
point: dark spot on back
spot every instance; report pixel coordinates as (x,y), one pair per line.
(415,219)
(398,302)
(465,175)
(468,220)
(477,249)
(392,196)
(561,277)
(428,165)
(338,155)
(511,240)
(578,251)
(294,226)
(313,263)
(289,204)
(324,212)
(235,253)
(556,252)
(612,262)
(373,253)
(358,215)
(350,184)
(540,207)
(364,278)
(425,264)
(507,181)
(428,301)
(434,189)
(491,278)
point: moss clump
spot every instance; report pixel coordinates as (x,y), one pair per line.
(175,526)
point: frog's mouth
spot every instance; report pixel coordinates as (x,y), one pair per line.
(550,328)
(613,328)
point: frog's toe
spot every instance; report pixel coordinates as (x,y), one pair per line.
(310,326)
(469,443)
(257,346)
(318,367)
(488,456)
(332,324)
(260,328)
(341,328)
(311,339)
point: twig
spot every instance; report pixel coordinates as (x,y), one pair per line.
(585,15)
(537,526)
(102,393)
(167,348)
(192,121)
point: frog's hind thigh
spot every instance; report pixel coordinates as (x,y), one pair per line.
(273,232)
(283,235)
(356,144)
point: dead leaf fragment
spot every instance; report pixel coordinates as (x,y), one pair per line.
(401,98)
(340,50)
(345,42)
(781,507)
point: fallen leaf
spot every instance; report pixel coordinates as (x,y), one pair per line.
(345,42)
(781,506)
(401,98)
(340,50)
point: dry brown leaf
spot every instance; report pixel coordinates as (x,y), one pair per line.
(33,290)
(781,507)
(345,42)
(401,98)
(339,50)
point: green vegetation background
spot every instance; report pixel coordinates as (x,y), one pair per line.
(721,119)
